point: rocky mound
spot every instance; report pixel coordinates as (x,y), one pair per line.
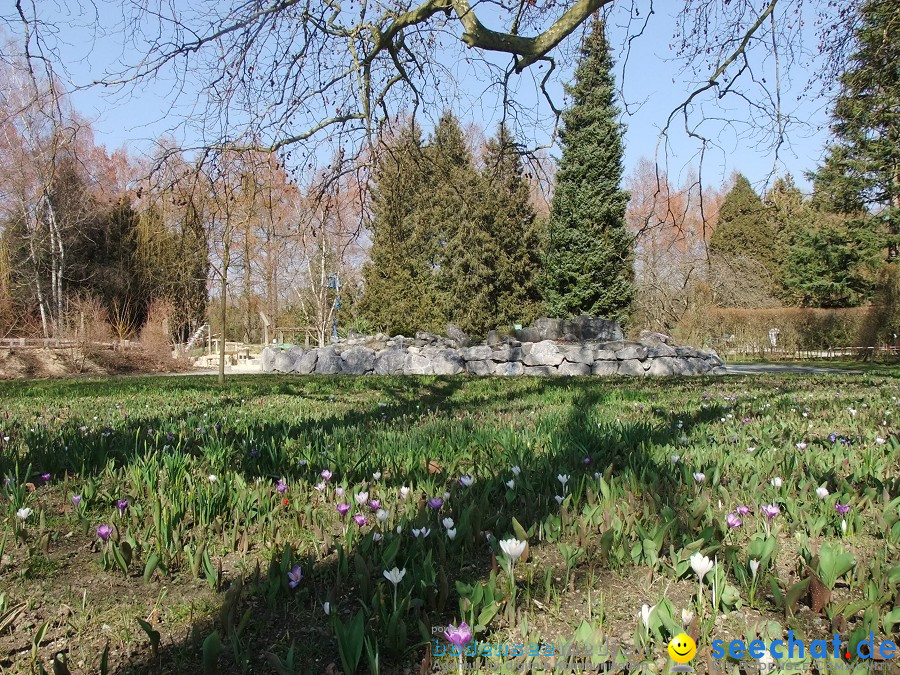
(429,354)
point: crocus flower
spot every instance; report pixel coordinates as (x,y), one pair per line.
(458,636)
(122,504)
(404,492)
(516,471)
(770,510)
(843,509)
(295,576)
(822,492)
(701,565)
(76,500)
(586,461)
(104,531)
(675,459)
(361,498)
(326,607)
(23,513)
(511,483)
(448,523)
(360,519)
(281,486)
(395,576)
(563,478)
(381,515)
(699,476)
(376,476)
(801,446)
(435,503)
(880,441)
(320,486)
(733,521)
(374,504)
(451,533)
(754,567)
(646,611)
(777,482)
(466,480)
(213,478)
(686,617)
(46,477)
(326,474)
(559,499)
(513,548)
(743,510)
(424,532)
(343,509)
(339,491)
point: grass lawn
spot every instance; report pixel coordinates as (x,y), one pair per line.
(170,525)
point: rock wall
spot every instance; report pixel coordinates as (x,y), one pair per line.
(428,354)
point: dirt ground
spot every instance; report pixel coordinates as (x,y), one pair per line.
(30,363)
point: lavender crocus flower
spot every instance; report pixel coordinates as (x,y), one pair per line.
(843,509)
(435,503)
(374,504)
(46,477)
(743,510)
(458,636)
(104,531)
(770,510)
(295,576)
(360,519)
(121,504)
(326,474)
(76,500)
(281,486)
(343,509)
(733,521)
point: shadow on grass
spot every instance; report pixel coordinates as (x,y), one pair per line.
(547,426)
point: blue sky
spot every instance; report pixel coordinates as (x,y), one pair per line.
(652,86)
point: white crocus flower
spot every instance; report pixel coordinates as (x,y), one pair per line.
(646,611)
(23,513)
(675,459)
(377,475)
(559,500)
(513,548)
(213,478)
(448,523)
(451,533)
(381,515)
(822,492)
(510,483)
(699,476)
(686,617)
(404,492)
(326,607)
(701,565)
(395,576)
(777,482)
(516,471)
(362,498)
(754,567)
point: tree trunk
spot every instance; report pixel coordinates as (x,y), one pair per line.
(223,304)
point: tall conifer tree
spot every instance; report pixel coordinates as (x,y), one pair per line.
(588,264)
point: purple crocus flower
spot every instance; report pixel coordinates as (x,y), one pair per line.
(435,503)
(281,486)
(458,636)
(46,477)
(104,531)
(843,509)
(343,509)
(121,504)
(295,576)
(733,521)
(743,510)
(326,474)
(339,491)
(76,500)
(586,461)
(360,519)
(374,504)
(770,510)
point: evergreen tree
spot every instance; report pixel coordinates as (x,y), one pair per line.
(588,263)
(514,228)
(399,277)
(746,228)
(862,167)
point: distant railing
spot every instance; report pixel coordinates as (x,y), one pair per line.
(57,343)
(827,353)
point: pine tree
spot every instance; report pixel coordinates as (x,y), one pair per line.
(746,228)
(862,167)
(514,228)
(588,264)
(399,285)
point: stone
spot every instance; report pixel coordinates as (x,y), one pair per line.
(492,338)
(480,367)
(630,367)
(479,353)
(390,362)
(650,338)
(457,335)
(427,338)
(306,364)
(632,352)
(507,353)
(544,353)
(267,360)
(358,361)
(605,368)
(540,370)
(594,328)
(284,362)
(509,368)
(659,350)
(662,366)
(567,368)
(328,362)
(447,362)
(417,364)
(604,355)
(579,354)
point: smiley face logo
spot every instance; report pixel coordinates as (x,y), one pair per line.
(682,648)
